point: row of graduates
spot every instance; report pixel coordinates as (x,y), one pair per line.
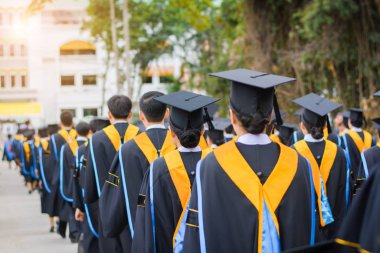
(163,190)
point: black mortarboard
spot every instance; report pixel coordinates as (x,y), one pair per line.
(212,109)
(330,246)
(253,91)
(377,124)
(43,132)
(316,109)
(377,94)
(53,128)
(286,133)
(356,115)
(187,109)
(220,124)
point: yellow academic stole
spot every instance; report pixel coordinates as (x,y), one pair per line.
(323,171)
(180,179)
(264,197)
(203,143)
(359,143)
(275,138)
(115,138)
(27,150)
(70,138)
(149,150)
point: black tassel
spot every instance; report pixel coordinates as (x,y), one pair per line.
(277,111)
(207,119)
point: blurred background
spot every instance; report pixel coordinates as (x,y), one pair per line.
(74,54)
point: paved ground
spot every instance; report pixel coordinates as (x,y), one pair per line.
(22,227)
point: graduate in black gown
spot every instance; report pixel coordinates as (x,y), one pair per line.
(252,194)
(120,198)
(56,142)
(355,141)
(285,134)
(27,160)
(67,167)
(43,162)
(167,185)
(8,153)
(216,136)
(102,148)
(326,158)
(83,212)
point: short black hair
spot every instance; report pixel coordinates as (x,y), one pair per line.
(83,128)
(9,136)
(216,137)
(66,118)
(43,132)
(120,106)
(153,110)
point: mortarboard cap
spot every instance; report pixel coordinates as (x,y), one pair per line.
(220,124)
(356,115)
(286,133)
(187,108)
(253,92)
(212,109)
(43,132)
(377,123)
(316,109)
(377,94)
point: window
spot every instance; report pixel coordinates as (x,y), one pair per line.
(23,81)
(166,79)
(69,110)
(12,50)
(89,80)
(90,112)
(67,81)
(147,79)
(13,81)
(2,81)
(1,50)
(23,50)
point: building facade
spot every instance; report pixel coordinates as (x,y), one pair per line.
(49,64)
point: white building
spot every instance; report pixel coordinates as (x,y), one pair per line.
(49,64)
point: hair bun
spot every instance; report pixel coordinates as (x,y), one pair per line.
(317,132)
(190,138)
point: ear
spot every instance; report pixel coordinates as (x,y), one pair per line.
(208,140)
(167,113)
(110,116)
(130,115)
(141,116)
(233,117)
(303,128)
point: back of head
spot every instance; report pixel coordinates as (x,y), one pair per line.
(120,106)
(43,132)
(314,123)
(83,128)
(9,136)
(153,110)
(66,118)
(216,136)
(98,124)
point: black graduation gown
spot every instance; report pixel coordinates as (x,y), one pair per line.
(336,186)
(167,207)
(101,153)
(113,211)
(26,156)
(43,161)
(354,158)
(369,159)
(335,138)
(230,220)
(297,136)
(90,225)
(362,223)
(67,166)
(8,154)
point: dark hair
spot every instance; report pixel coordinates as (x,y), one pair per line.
(83,128)
(345,122)
(188,138)
(66,118)
(316,131)
(357,123)
(9,136)
(254,124)
(153,110)
(120,106)
(217,137)
(43,132)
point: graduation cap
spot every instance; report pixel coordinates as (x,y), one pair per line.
(316,109)
(377,123)
(212,109)
(286,133)
(330,246)
(253,91)
(53,128)
(356,115)
(220,124)
(188,109)
(274,118)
